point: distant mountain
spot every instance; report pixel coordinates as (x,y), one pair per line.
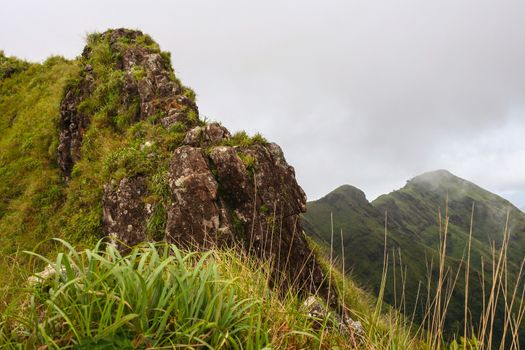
(413,228)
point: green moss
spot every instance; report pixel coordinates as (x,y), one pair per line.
(138,72)
(242,139)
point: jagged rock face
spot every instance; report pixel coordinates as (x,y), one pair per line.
(243,194)
(196,209)
(207,135)
(73,124)
(228,195)
(219,192)
(148,78)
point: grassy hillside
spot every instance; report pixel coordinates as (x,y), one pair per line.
(156,296)
(31,188)
(35,201)
(415,237)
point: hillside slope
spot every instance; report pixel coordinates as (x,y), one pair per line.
(414,236)
(110,144)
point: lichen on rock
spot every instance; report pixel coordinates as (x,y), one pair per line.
(124,211)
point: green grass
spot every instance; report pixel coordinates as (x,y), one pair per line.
(153,297)
(31,189)
(158,296)
(242,139)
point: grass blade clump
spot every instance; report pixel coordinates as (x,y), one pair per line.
(155,296)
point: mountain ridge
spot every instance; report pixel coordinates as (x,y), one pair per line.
(413,231)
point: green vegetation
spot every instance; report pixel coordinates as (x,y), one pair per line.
(154,297)
(11,65)
(158,296)
(418,256)
(31,188)
(35,201)
(242,139)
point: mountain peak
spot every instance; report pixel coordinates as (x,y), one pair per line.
(348,192)
(348,189)
(435,175)
(442,179)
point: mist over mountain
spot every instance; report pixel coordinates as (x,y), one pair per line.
(415,217)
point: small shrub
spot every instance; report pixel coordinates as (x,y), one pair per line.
(189,93)
(249,162)
(192,116)
(11,65)
(242,139)
(258,138)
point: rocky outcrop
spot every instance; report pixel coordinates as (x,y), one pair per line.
(207,135)
(322,317)
(264,198)
(224,195)
(149,75)
(219,191)
(73,123)
(147,78)
(197,213)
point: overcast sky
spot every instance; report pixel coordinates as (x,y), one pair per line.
(369,93)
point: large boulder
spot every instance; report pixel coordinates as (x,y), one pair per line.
(245,195)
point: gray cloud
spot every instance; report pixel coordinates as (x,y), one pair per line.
(363,92)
